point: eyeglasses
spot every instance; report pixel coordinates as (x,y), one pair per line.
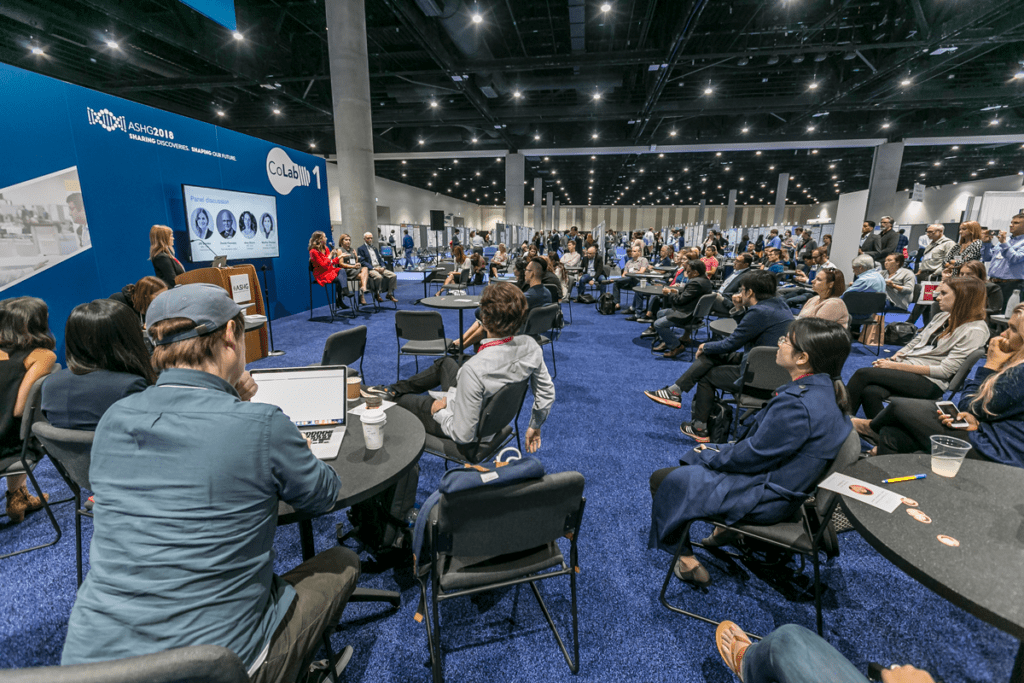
(784,340)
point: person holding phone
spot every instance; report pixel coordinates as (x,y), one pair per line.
(990,415)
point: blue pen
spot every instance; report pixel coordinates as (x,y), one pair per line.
(898,479)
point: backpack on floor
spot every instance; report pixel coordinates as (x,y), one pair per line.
(899,334)
(383,523)
(719,421)
(586,299)
(606,304)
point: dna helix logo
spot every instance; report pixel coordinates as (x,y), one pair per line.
(106,119)
(284,174)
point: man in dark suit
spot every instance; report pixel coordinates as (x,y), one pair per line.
(381,279)
(679,309)
(723,305)
(593,269)
(868,238)
(886,241)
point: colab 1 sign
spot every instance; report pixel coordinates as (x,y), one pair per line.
(285,175)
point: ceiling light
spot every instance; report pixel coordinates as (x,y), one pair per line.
(606,7)
(238,36)
(955,147)
(477,18)
(597,96)
(112,44)
(220,112)
(745,130)
(672,133)
(423,142)
(594,136)
(36,50)
(433,104)
(905,82)
(708,90)
(813,85)
(536,137)
(994,122)
(517,94)
(937,163)
(885,125)
(277,111)
(1019,75)
(991,163)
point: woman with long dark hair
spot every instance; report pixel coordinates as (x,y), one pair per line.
(827,302)
(139,295)
(923,368)
(463,269)
(26,354)
(992,405)
(107,360)
(969,246)
(327,268)
(766,476)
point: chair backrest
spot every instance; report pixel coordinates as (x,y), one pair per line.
(345,347)
(703,307)
(862,305)
(541,319)
(762,372)
(957,382)
(502,408)
(489,521)
(419,325)
(199,664)
(555,292)
(70,448)
(848,454)
(33,412)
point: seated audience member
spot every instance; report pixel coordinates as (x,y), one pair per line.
(710,260)
(536,295)
(555,268)
(348,261)
(994,304)
(161,253)
(107,360)
(461,274)
(499,260)
(992,404)
(504,357)
(797,296)
(191,561)
(571,260)
(717,363)
(370,258)
(678,309)
(548,278)
(820,261)
(794,654)
(478,266)
(665,256)
(26,354)
(899,282)
(731,285)
(139,295)
(327,268)
(865,277)
(774,264)
(827,302)
(592,271)
(765,477)
(676,283)
(969,246)
(923,368)
(637,264)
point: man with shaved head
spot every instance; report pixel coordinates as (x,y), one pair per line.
(935,253)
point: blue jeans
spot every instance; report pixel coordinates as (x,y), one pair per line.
(408,258)
(663,326)
(792,654)
(587,277)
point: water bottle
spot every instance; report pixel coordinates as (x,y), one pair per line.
(1012,303)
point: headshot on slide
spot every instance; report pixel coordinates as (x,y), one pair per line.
(267,224)
(201,224)
(226,224)
(247,224)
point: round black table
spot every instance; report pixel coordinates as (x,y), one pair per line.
(981,508)
(364,474)
(454,302)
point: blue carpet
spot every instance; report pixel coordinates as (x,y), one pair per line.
(602,426)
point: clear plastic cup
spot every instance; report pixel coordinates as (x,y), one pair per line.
(947,454)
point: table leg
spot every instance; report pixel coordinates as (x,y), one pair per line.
(1017,674)
(306,539)
(462,351)
(360,594)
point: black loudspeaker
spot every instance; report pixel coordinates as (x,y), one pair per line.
(437,220)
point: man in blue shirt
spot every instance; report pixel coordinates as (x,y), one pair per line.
(865,277)
(774,242)
(187,477)
(717,363)
(1007,266)
(408,245)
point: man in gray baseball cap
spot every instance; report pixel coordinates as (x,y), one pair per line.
(187,477)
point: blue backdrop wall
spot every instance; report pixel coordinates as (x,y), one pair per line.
(132,161)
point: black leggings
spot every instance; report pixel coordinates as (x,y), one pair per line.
(906,425)
(870,387)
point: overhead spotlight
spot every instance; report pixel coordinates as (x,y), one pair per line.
(773,60)
(433,104)
(820,57)
(757,153)
(536,136)
(813,85)
(474,142)
(113,45)
(423,142)
(671,133)
(36,50)
(238,36)
(745,130)
(594,136)
(597,96)
(606,7)
(517,94)
(798,59)
(277,111)
(743,61)
(220,112)
(708,90)
(885,125)
(937,163)
(905,82)
(1020,74)
(810,129)
(477,18)
(994,122)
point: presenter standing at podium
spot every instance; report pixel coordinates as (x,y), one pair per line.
(161,253)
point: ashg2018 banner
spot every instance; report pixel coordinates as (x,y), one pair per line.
(87,174)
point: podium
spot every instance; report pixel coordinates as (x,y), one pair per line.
(256,346)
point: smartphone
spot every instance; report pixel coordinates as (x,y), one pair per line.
(949,408)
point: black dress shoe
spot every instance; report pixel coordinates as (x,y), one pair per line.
(631,317)
(649,332)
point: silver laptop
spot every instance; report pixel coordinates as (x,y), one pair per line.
(313,398)
(220,261)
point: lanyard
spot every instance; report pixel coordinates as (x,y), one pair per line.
(496,342)
(802,376)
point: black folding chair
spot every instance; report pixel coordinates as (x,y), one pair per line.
(867,308)
(803,534)
(760,375)
(490,538)
(540,320)
(345,348)
(499,420)
(424,331)
(956,383)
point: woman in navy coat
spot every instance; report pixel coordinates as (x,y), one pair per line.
(764,478)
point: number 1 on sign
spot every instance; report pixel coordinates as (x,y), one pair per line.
(316,172)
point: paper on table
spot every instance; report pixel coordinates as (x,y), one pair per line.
(855,489)
(361,408)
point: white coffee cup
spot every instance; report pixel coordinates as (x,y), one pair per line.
(373,428)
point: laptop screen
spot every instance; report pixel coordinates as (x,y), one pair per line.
(308,396)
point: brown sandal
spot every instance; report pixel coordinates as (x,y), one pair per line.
(734,656)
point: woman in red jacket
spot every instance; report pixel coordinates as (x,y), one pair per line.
(327,269)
